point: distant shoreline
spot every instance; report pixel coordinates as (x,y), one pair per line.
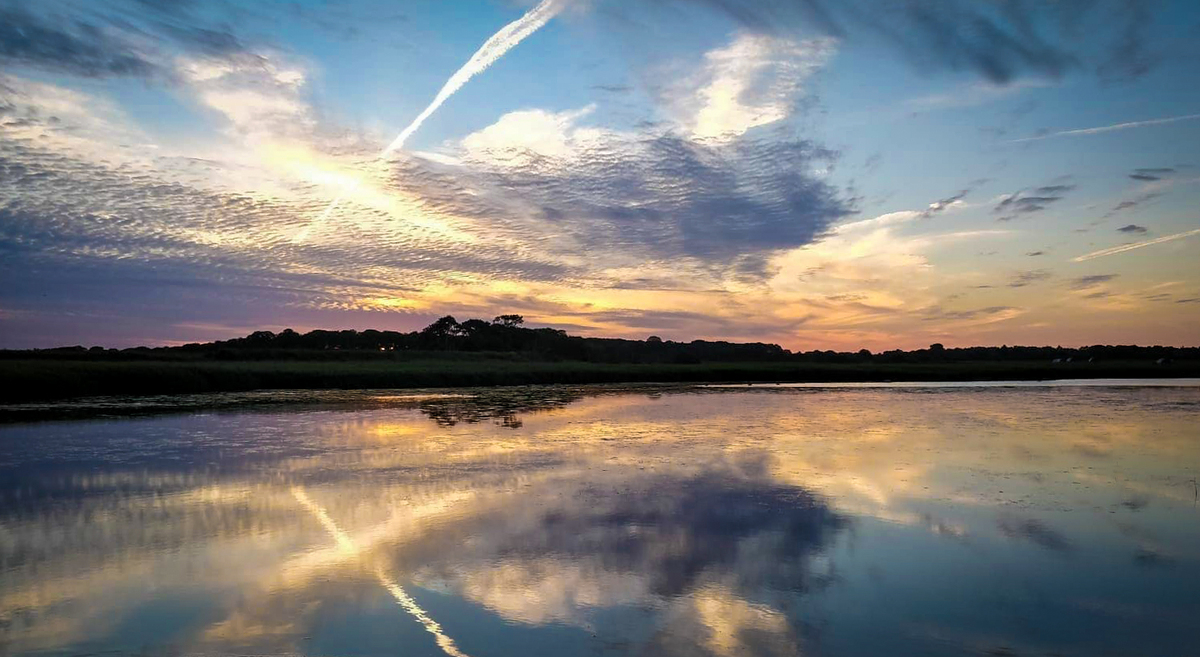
(48,380)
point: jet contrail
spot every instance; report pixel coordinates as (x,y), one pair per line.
(1107,128)
(1136,245)
(491,50)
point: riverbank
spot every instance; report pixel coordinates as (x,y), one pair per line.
(55,379)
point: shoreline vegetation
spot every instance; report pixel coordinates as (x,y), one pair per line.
(475,353)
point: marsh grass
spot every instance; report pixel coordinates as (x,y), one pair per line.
(49,379)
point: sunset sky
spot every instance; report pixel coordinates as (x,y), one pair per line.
(818,174)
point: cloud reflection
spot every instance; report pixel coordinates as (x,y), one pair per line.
(726,530)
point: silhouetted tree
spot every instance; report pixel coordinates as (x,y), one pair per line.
(440,334)
(509,320)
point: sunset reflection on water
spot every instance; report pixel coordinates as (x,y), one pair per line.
(762,521)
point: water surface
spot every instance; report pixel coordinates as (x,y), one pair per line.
(929,520)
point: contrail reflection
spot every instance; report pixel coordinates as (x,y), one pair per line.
(347,544)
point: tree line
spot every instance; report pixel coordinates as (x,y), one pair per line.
(506,335)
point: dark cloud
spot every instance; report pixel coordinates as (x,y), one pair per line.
(613,88)
(999,41)
(1085,282)
(1130,55)
(1026,278)
(340,20)
(1130,204)
(1017,205)
(216,42)
(668,196)
(1023,203)
(938,314)
(941,204)
(74,47)
(169,7)
(126,38)
(845,297)
(938,206)
(1132,229)
(678,322)
(1151,174)
(1053,190)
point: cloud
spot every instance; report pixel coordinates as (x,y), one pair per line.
(1053,189)
(1155,182)
(502,215)
(973,94)
(1132,228)
(612,232)
(108,231)
(1151,174)
(870,278)
(1088,282)
(138,44)
(657,193)
(613,88)
(84,210)
(346,21)
(54,118)
(989,314)
(1130,204)
(999,42)
(1024,203)
(519,138)
(69,46)
(753,81)
(1026,278)
(941,205)
(194,38)
(260,94)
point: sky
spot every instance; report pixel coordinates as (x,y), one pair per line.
(816,174)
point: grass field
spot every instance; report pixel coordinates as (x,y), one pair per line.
(50,379)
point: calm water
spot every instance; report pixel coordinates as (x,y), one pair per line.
(719,521)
